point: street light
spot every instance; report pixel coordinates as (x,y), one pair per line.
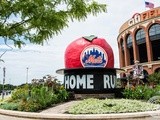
(4,75)
(27,75)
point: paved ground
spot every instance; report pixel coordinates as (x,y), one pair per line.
(60,108)
(3,117)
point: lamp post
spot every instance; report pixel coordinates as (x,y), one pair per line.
(27,75)
(4,75)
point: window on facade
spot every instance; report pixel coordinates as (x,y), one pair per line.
(130,48)
(154,32)
(131,56)
(140,36)
(154,35)
(122,44)
(129,41)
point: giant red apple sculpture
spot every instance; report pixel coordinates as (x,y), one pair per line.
(89,51)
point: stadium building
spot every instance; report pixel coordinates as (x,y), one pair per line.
(139,40)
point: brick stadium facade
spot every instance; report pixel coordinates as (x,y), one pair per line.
(139,39)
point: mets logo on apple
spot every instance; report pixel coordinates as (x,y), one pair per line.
(94,56)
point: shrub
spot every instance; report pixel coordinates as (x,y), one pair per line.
(140,92)
(154,78)
(42,96)
(38,96)
(154,99)
(29,106)
(20,93)
(9,106)
(148,93)
(127,93)
(62,94)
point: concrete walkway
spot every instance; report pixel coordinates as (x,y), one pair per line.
(60,109)
(5,117)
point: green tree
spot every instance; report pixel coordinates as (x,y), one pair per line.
(35,21)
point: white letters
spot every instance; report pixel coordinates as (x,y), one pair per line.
(90,81)
(109,81)
(81,82)
(72,82)
(66,82)
(106,81)
(135,19)
(113,81)
(131,22)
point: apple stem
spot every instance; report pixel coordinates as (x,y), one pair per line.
(90,38)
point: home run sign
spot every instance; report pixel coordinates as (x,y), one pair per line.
(89,79)
(89,66)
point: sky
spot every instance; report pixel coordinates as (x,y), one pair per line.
(46,59)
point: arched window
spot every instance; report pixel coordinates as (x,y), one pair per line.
(141,43)
(154,32)
(157,70)
(154,35)
(122,52)
(129,41)
(122,44)
(130,49)
(140,36)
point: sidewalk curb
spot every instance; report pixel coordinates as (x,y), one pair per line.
(120,116)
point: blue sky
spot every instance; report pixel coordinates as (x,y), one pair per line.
(46,59)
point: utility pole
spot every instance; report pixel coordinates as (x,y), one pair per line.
(4,75)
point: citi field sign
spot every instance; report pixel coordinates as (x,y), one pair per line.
(89,66)
(137,17)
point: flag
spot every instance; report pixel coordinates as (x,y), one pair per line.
(149,5)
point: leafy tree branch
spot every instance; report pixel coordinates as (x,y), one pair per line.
(38,20)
